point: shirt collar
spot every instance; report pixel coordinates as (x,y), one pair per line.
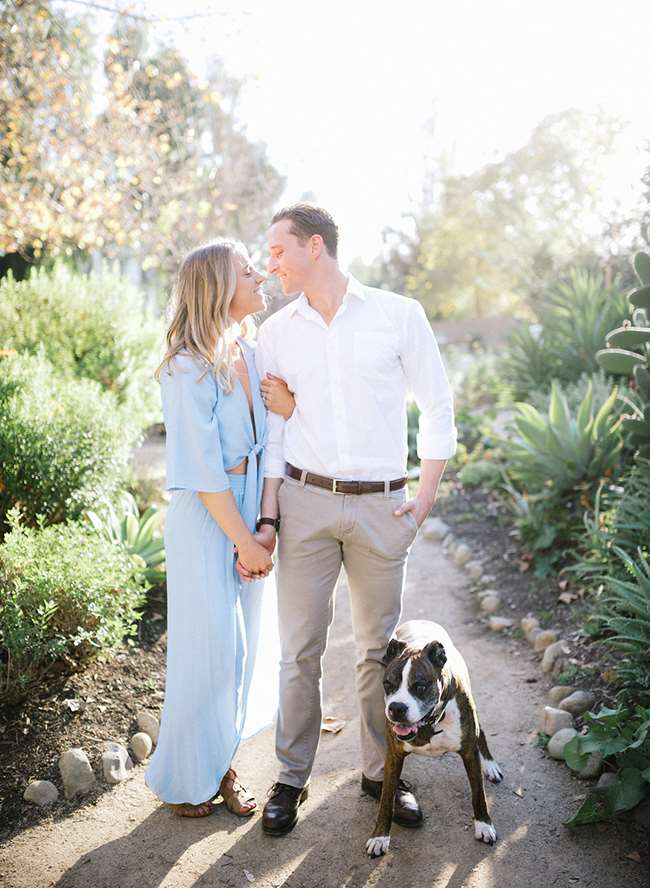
(354,288)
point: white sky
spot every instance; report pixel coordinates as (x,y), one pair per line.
(342,92)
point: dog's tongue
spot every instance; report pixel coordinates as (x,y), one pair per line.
(403,730)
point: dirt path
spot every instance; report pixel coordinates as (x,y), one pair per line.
(127,839)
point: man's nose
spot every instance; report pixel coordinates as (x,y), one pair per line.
(271,265)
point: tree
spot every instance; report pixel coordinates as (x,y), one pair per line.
(163,166)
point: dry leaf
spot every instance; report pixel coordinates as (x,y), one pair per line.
(519,792)
(332,725)
(634,855)
(608,676)
(249,876)
(567,597)
(563,584)
(524,565)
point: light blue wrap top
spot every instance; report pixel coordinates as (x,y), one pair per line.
(210,432)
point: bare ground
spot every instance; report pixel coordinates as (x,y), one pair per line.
(126,838)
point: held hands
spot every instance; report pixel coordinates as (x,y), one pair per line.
(263,539)
(276,396)
(418,505)
(253,559)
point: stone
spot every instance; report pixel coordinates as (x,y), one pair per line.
(578,702)
(474,570)
(498,624)
(434,528)
(592,768)
(561,665)
(527,624)
(532,635)
(76,772)
(148,723)
(606,780)
(553,720)
(462,554)
(448,542)
(545,637)
(487,579)
(551,653)
(141,745)
(490,604)
(558,741)
(41,792)
(559,692)
(116,763)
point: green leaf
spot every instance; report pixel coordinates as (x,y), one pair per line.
(642,267)
(640,298)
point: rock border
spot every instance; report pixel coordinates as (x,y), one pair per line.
(116,765)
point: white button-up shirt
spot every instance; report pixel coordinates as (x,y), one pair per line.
(350,380)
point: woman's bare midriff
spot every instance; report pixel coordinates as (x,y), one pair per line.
(238,470)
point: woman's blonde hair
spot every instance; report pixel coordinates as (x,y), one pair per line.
(200,309)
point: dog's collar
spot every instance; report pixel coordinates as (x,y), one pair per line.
(438,712)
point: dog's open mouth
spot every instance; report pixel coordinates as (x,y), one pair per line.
(405,732)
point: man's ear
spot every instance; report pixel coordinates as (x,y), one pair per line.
(393,650)
(436,654)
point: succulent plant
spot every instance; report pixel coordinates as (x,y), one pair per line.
(628,353)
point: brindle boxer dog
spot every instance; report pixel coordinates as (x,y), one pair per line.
(430,711)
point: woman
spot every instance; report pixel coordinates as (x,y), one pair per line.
(216,430)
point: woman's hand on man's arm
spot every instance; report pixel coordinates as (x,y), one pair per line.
(276,396)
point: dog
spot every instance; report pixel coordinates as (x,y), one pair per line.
(430,711)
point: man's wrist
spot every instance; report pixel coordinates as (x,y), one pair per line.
(270,522)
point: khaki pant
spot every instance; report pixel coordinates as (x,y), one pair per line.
(320,532)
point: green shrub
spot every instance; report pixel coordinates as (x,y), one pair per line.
(557,452)
(574,393)
(557,463)
(623,612)
(90,326)
(482,473)
(64,445)
(622,737)
(574,318)
(67,596)
(136,533)
(620,519)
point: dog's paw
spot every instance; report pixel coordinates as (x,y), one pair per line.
(377,845)
(492,770)
(485,832)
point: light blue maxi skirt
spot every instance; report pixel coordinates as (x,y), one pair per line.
(222,654)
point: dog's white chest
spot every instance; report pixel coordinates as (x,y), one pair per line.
(448,740)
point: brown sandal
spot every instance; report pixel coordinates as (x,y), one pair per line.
(236,797)
(185,809)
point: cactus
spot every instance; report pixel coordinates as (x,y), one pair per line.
(628,353)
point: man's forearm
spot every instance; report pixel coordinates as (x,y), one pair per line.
(269,507)
(430,474)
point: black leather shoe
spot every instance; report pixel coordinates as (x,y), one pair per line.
(280,813)
(407,811)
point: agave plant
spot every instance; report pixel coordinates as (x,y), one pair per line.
(557,452)
(628,353)
(136,533)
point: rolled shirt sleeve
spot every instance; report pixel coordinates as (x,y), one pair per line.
(193,448)
(274,461)
(428,383)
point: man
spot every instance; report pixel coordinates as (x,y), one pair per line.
(336,475)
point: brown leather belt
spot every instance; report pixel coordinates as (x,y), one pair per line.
(345,487)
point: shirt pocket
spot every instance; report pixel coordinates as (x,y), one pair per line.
(375,354)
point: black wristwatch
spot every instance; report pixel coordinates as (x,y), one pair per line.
(274,522)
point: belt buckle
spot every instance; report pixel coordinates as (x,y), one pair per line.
(335,481)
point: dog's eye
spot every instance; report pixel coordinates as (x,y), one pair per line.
(387,686)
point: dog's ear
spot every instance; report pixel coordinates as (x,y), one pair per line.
(436,654)
(393,650)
